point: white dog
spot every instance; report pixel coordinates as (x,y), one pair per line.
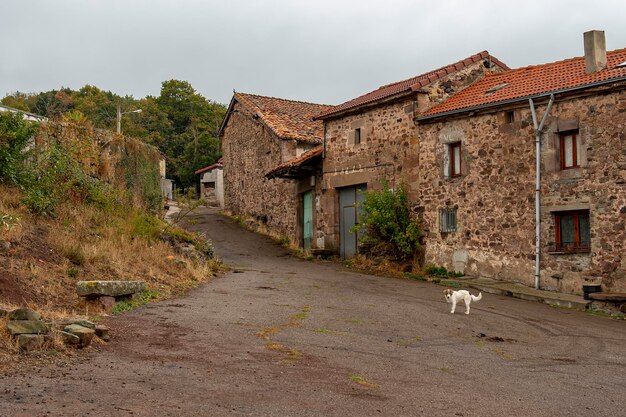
(456,296)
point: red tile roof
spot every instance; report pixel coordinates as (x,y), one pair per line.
(408,85)
(205,169)
(288,119)
(529,82)
(285,168)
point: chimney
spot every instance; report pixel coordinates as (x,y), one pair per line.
(595,50)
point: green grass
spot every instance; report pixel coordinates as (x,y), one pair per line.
(416,277)
(451,284)
(137,301)
(601,313)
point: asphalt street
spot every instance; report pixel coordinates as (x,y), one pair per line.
(282,336)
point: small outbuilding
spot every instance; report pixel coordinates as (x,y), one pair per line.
(212,184)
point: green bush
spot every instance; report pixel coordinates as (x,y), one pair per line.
(386,222)
(440,271)
(15,133)
(146,227)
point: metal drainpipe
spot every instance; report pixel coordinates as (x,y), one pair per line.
(538,129)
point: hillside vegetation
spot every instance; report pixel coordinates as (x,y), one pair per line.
(180,122)
(75,206)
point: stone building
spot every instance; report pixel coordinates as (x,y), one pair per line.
(476,178)
(257,135)
(374,138)
(211,184)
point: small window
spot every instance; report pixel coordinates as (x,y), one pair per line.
(510,116)
(572,231)
(447,220)
(357,136)
(455,159)
(569,144)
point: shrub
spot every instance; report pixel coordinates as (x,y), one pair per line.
(15,133)
(386,222)
(440,271)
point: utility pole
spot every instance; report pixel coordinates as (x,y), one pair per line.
(119,116)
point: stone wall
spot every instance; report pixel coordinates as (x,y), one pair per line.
(495,195)
(387,135)
(388,145)
(250,149)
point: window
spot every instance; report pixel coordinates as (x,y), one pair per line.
(510,116)
(569,143)
(357,136)
(447,220)
(572,231)
(455,159)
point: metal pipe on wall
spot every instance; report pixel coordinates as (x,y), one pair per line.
(538,129)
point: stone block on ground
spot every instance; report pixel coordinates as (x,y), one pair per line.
(109,288)
(100,305)
(84,334)
(24,313)
(69,338)
(16,327)
(4,312)
(28,342)
(84,323)
(102,332)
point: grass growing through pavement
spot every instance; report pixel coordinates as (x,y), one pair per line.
(292,355)
(359,379)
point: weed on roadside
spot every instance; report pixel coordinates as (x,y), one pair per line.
(602,313)
(137,301)
(416,277)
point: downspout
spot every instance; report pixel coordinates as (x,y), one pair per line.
(324,140)
(538,129)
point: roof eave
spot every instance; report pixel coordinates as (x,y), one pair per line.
(515,100)
(229,111)
(367,105)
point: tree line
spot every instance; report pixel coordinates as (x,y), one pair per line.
(180,122)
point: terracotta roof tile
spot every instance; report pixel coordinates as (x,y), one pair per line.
(296,162)
(288,119)
(407,85)
(205,169)
(531,81)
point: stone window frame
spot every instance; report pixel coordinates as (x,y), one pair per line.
(450,160)
(578,223)
(357,134)
(575,149)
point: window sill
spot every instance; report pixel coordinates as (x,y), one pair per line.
(569,252)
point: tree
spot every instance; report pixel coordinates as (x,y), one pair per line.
(181,123)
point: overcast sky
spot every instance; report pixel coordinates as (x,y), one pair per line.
(323,51)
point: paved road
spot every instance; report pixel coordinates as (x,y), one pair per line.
(280,336)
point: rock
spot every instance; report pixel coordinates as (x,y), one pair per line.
(69,338)
(28,342)
(109,288)
(102,332)
(5,246)
(24,313)
(26,327)
(84,334)
(4,312)
(107,303)
(84,323)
